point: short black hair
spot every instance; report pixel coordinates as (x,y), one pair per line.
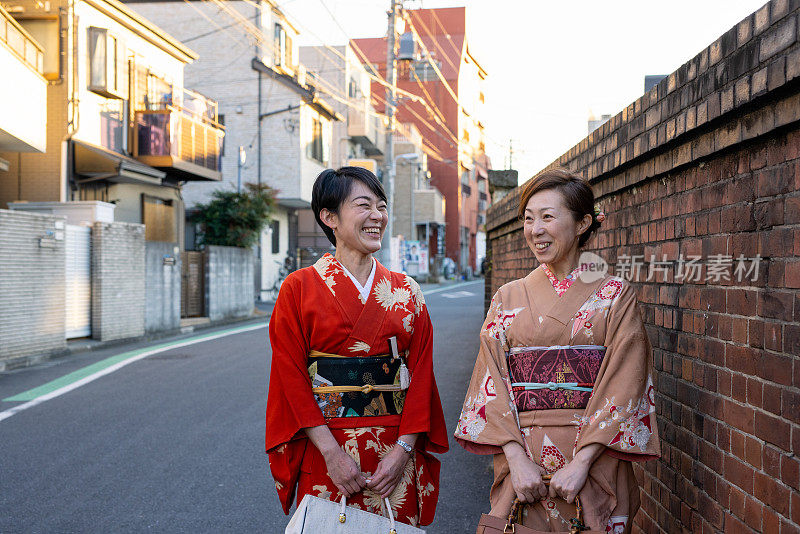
(332,187)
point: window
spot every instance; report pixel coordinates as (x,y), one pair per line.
(316,146)
(283,48)
(424,71)
(221,121)
(107,64)
(275,230)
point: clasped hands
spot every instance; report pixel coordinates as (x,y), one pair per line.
(528,484)
(347,476)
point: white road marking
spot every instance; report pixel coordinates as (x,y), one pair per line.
(108,370)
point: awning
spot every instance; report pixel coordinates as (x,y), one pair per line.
(93,163)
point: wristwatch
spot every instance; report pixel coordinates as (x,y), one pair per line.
(406,447)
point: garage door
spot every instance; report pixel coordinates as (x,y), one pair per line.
(79,281)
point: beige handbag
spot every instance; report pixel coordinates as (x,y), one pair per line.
(316,516)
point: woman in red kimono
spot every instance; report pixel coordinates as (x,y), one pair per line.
(343,418)
(562,384)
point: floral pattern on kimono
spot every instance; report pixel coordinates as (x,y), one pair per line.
(319,309)
(529,313)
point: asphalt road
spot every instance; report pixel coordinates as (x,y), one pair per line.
(174,441)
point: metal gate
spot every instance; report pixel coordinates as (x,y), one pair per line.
(78,246)
(193,278)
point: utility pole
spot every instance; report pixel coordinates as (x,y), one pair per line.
(391,93)
(510,154)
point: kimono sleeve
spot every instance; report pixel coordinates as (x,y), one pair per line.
(489,417)
(621,412)
(422,410)
(290,404)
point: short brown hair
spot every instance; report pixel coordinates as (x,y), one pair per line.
(577,193)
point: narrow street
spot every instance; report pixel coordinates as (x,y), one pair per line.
(173,442)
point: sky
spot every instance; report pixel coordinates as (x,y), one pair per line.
(550,63)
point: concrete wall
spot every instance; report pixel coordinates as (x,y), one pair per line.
(707,164)
(229,282)
(32,286)
(162,287)
(118,285)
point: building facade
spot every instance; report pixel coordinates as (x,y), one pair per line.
(279,129)
(122,131)
(434,60)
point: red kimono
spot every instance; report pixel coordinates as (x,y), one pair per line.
(320,309)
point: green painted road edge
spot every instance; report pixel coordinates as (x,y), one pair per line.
(74,376)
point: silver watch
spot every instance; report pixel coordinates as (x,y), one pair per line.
(406,447)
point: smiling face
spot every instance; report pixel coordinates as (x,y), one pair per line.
(552,232)
(361,220)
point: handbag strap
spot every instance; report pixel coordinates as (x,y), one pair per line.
(343,515)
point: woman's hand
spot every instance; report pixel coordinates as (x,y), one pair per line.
(389,472)
(344,472)
(568,481)
(342,469)
(526,475)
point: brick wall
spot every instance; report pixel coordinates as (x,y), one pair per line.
(118,284)
(708,164)
(32,294)
(229,282)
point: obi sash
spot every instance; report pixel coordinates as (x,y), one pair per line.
(544,378)
(356,386)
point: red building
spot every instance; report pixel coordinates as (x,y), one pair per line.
(453,130)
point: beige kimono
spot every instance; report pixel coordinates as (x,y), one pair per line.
(620,413)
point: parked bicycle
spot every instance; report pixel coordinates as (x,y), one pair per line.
(284,268)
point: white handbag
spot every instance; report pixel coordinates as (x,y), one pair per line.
(320,516)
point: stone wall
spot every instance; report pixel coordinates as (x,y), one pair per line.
(32,287)
(118,285)
(229,282)
(707,165)
(162,287)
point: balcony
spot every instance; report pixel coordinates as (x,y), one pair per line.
(183,137)
(428,206)
(365,129)
(23,128)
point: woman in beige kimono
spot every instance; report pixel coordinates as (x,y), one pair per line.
(562,383)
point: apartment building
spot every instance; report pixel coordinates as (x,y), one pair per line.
(454,140)
(279,123)
(23,128)
(123,133)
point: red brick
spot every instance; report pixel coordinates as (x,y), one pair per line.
(776,368)
(790,400)
(754,389)
(737,501)
(742,359)
(739,388)
(734,526)
(795,506)
(792,274)
(755,333)
(739,473)
(772,336)
(739,416)
(791,333)
(770,522)
(753,450)
(724,381)
(790,471)
(792,210)
(741,301)
(739,330)
(772,461)
(771,398)
(737,444)
(771,492)
(775,304)
(753,511)
(773,430)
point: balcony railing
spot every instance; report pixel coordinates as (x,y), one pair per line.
(21,42)
(187,138)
